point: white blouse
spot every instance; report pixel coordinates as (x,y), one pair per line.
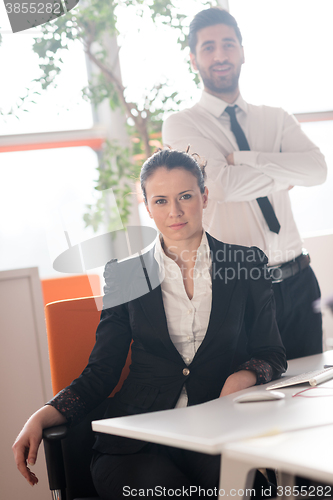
(187,319)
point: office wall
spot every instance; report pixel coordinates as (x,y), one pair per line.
(24,375)
(320,249)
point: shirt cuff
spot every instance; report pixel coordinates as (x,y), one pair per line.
(69,404)
(246,158)
(262,369)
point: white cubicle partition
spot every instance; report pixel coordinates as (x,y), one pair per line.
(25,375)
(320,249)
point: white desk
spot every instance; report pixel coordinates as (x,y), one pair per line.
(211,426)
(306,453)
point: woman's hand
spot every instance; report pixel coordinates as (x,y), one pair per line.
(238,381)
(26,445)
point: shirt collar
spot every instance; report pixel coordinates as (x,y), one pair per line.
(204,250)
(158,252)
(203,253)
(216,106)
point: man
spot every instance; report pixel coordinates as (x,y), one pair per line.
(254,154)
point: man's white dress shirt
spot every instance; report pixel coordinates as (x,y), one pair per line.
(187,319)
(281,156)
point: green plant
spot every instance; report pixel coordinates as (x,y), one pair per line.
(116,171)
(92,23)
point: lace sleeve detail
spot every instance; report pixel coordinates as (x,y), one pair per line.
(262,369)
(69,404)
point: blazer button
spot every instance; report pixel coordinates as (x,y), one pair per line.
(186,372)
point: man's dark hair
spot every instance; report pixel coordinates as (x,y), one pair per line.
(211,17)
(171,159)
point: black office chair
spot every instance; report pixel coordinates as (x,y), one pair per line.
(68,453)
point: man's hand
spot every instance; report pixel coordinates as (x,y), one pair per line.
(230,159)
(238,381)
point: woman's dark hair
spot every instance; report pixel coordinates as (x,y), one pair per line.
(171,159)
(211,17)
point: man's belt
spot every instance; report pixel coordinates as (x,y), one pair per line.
(289,269)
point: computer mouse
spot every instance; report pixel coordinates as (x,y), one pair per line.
(253,397)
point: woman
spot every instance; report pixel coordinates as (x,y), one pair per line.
(184,331)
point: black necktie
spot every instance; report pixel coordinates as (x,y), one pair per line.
(263,202)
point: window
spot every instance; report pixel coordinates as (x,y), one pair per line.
(287,63)
(33,185)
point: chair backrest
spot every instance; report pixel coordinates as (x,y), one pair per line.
(71,326)
(70,287)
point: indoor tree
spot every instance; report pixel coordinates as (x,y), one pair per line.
(93,23)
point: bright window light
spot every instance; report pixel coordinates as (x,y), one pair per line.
(287,48)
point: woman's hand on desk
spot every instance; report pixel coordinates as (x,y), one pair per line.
(26,445)
(238,381)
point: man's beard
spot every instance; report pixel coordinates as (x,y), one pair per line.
(220,85)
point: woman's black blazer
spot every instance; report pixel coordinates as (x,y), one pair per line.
(242,300)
